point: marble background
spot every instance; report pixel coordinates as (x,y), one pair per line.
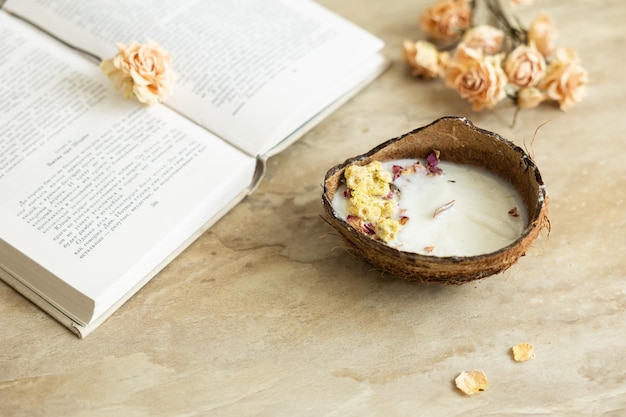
(266,314)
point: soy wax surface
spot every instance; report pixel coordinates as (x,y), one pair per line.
(482,213)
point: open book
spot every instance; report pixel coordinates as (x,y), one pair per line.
(99,193)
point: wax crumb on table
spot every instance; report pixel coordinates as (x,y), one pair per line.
(523,352)
(471,382)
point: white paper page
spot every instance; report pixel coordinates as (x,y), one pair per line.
(96,188)
(252,71)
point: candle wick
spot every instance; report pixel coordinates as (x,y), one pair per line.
(443,208)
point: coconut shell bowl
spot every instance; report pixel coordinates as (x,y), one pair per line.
(458,141)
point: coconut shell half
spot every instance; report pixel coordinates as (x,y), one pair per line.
(459,141)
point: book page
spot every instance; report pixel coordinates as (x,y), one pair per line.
(95,188)
(251,71)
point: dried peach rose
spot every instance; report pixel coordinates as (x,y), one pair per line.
(530,97)
(484,37)
(471,382)
(565,80)
(424,59)
(477,78)
(525,66)
(543,34)
(447,19)
(523,352)
(144,71)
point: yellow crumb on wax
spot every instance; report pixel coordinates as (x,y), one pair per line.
(369,198)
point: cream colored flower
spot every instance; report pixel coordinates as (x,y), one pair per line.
(477,78)
(424,59)
(543,34)
(144,71)
(530,97)
(521,2)
(447,19)
(525,66)
(565,80)
(484,37)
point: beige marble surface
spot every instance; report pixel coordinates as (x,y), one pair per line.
(267,315)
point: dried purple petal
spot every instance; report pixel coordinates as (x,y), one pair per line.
(369,229)
(354,221)
(396,170)
(432,161)
(513,212)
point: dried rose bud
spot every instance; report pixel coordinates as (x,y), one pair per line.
(478,78)
(144,71)
(447,19)
(525,66)
(543,34)
(424,59)
(565,80)
(528,98)
(485,38)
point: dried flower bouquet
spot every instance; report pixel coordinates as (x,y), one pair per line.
(489,62)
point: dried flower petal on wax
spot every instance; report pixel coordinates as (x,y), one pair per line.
(471,382)
(432,161)
(398,170)
(369,229)
(354,221)
(443,208)
(523,352)
(513,212)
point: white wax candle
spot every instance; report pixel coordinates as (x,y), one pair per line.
(464,211)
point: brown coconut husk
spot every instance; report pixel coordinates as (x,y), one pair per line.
(459,141)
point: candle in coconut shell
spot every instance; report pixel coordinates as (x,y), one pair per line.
(431,207)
